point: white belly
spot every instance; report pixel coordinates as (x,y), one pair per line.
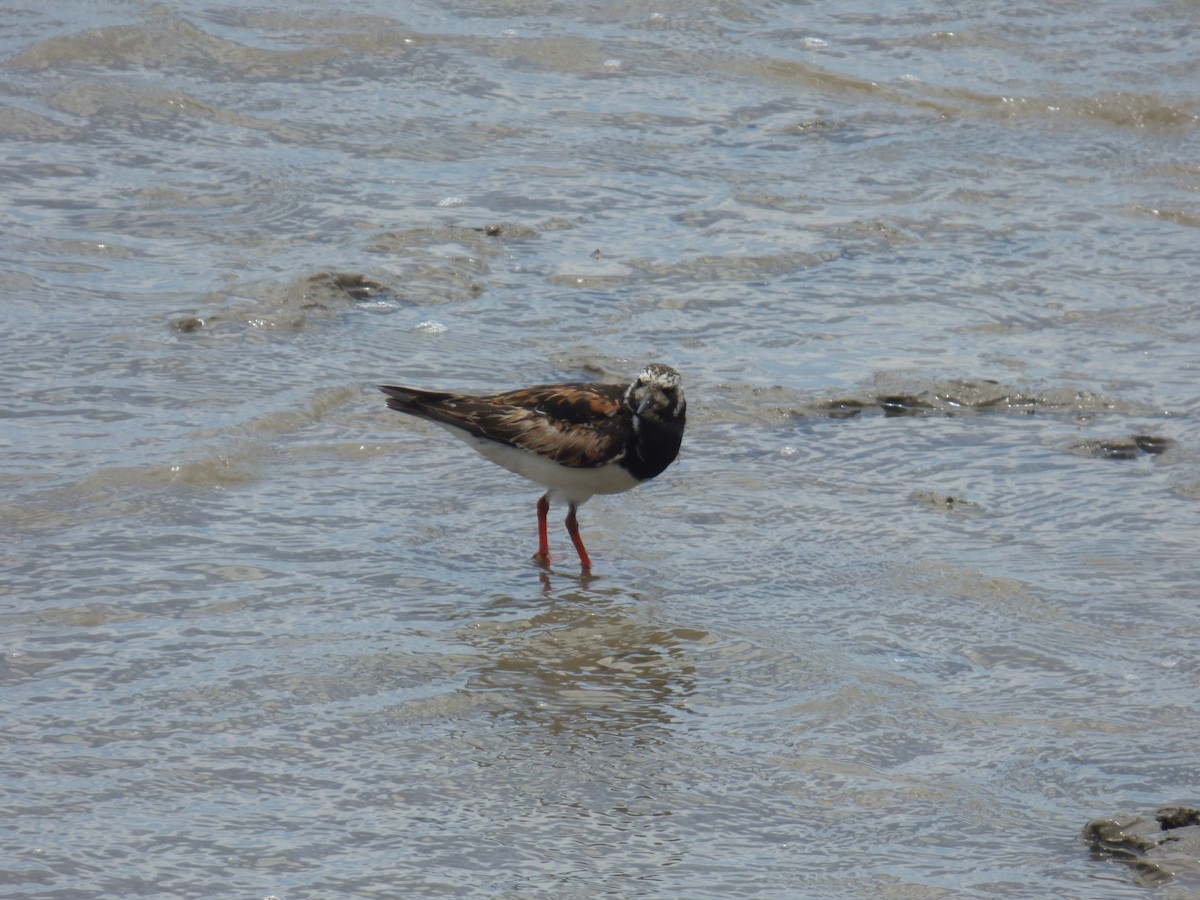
(565,483)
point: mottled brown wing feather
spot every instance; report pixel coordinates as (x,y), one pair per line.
(579,403)
(578,425)
(575,425)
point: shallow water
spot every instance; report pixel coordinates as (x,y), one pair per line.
(917,601)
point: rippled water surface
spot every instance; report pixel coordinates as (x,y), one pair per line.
(918,600)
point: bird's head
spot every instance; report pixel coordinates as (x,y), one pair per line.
(657,395)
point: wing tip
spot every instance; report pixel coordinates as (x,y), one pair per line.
(401,399)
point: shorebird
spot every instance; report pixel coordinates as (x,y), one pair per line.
(576,439)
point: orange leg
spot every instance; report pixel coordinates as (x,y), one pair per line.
(543,554)
(573,531)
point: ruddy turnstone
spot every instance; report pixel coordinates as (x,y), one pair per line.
(576,439)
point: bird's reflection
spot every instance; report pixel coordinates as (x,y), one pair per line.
(584,661)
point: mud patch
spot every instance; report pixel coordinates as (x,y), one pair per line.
(897,395)
(947,503)
(894,397)
(324,295)
(1157,849)
(1130,447)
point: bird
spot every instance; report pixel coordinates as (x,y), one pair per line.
(576,439)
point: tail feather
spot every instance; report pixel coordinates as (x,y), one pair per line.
(412,400)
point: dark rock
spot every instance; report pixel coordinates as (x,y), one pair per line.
(1156,849)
